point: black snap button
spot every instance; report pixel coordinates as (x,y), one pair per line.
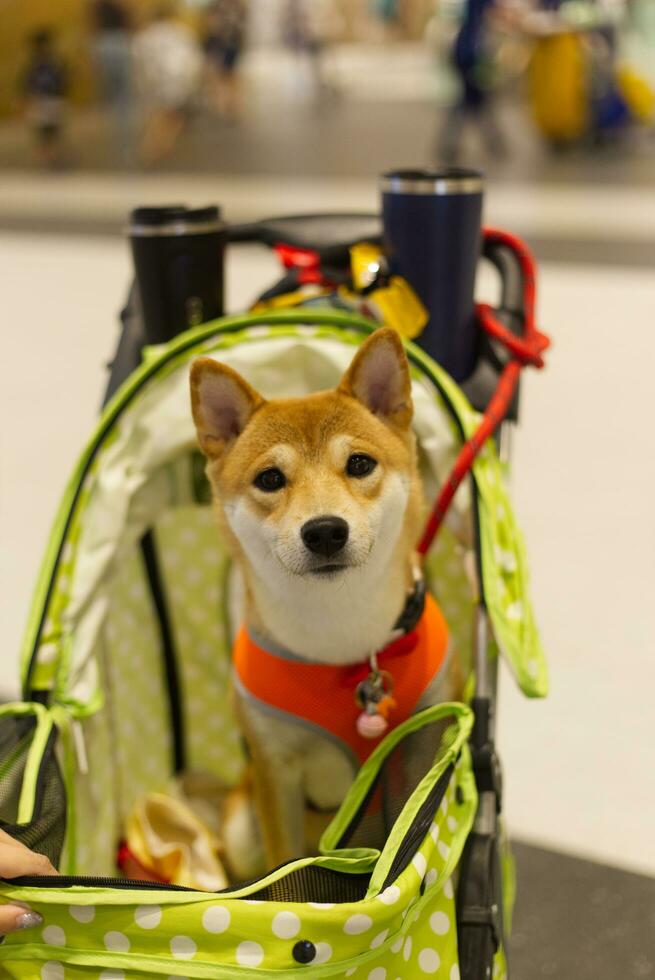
(304,951)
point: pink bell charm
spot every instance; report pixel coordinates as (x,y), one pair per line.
(371,726)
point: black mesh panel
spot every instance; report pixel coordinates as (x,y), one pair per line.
(315,884)
(398,777)
(45,832)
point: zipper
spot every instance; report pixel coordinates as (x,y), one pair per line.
(96,881)
(419,827)
(70,881)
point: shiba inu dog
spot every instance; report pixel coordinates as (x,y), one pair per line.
(320,501)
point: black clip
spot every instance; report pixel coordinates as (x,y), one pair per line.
(413,609)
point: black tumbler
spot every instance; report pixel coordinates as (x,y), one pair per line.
(178,257)
(432,232)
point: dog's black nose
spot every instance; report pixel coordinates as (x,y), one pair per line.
(325,535)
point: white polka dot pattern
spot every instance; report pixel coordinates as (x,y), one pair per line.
(429,960)
(357,924)
(183,947)
(323,953)
(147,916)
(83,913)
(390,895)
(439,923)
(286,925)
(419,863)
(216,919)
(52,971)
(116,942)
(249,954)
(54,936)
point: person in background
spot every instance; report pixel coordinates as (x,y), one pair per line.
(44,90)
(386,14)
(168,69)
(308,28)
(111,26)
(225,29)
(471,60)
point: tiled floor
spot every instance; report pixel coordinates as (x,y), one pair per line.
(578,920)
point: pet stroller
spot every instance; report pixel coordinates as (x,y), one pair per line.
(125,676)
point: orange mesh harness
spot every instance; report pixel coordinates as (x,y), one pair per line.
(324,695)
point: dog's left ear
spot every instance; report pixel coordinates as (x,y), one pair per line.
(222,403)
(378,377)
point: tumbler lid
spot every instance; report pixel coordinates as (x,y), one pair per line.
(174,219)
(451,180)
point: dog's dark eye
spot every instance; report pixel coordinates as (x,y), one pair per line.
(270,480)
(360,464)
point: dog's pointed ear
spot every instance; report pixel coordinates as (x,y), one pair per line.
(378,377)
(222,404)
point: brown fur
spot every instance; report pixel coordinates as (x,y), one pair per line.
(307,424)
(310,439)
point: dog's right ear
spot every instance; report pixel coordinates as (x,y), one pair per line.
(222,404)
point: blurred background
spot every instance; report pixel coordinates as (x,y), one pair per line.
(274,106)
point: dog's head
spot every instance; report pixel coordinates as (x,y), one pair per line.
(318,485)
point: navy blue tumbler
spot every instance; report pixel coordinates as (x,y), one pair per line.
(432,233)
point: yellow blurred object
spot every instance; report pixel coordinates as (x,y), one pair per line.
(399,307)
(558,87)
(167,838)
(396,304)
(637,93)
(365,262)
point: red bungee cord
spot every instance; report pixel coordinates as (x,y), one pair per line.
(525,350)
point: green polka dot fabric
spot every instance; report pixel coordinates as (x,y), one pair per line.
(194,563)
(135,705)
(133,680)
(503,560)
(447,580)
(402,928)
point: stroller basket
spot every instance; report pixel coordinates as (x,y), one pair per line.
(126,676)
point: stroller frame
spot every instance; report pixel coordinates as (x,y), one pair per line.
(480,892)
